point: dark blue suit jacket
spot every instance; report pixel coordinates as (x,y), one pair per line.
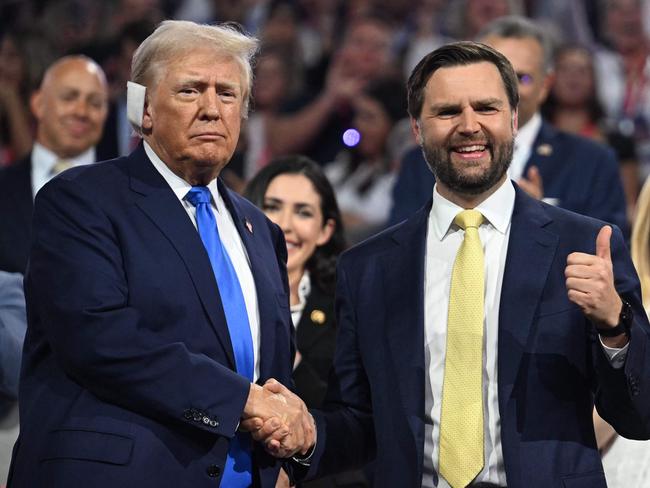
(128,375)
(16,207)
(581,174)
(550,363)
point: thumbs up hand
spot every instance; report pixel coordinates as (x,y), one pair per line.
(590,282)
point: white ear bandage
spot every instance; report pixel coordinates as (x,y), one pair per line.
(135,97)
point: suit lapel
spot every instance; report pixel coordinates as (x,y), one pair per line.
(545,153)
(266,291)
(161,205)
(531,249)
(309,331)
(403,282)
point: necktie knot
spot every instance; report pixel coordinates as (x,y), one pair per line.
(469,218)
(197,195)
(60,166)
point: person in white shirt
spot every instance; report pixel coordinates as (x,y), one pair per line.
(474,337)
(70,109)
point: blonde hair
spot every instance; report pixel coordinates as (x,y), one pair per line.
(640,245)
(173,38)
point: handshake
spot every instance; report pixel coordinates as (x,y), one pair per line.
(279,419)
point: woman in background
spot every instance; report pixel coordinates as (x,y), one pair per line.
(295,194)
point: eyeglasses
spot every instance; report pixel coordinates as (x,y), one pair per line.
(524,78)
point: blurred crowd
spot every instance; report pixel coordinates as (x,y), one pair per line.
(330,76)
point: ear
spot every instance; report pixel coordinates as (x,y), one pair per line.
(547,83)
(515,122)
(147,120)
(415,127)
(326,232)
(36,104)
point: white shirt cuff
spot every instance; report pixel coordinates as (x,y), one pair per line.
(616,355)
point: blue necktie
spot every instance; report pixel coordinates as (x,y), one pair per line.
(238,470)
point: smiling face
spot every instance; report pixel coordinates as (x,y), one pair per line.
(193,116)
(291,201)
(466,130)
(71,107)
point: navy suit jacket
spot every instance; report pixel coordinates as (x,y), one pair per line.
(582,175)
(128,372)
(550,363)
(16,207)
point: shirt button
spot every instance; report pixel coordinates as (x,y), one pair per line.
(213,470)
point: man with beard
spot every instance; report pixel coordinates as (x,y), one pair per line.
(563,169)
(475,336)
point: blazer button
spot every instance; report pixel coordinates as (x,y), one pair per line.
(213,470)
(187,414)
(206,420)
(213,423)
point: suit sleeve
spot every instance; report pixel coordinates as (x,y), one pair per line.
(13,323)
(623,395)
(79,291)
(346,437)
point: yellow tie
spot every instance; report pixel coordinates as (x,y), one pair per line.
(60,166)
(461,420)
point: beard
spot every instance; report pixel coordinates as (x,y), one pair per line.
(439,160)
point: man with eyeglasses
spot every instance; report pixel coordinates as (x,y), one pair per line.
(568,171)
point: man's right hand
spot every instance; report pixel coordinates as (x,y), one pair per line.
(278,418)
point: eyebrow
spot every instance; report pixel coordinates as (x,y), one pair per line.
(483,102)
(295,204)
(197,81)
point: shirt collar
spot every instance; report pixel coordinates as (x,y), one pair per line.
(527,134)
(43,159)
(497,210)
(179,186)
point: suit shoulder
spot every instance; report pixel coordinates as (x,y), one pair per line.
(376,244)
(571,225)
(586,146)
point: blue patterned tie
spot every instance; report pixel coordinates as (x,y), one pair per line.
(238,470)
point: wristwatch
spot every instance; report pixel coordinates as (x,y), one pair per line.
(624,323)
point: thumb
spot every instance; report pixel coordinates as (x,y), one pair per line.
(603,243)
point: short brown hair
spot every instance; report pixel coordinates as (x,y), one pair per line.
(458,54)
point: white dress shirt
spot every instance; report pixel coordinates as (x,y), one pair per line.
(442,243)
(524,141)
(229,237)
(44,160)
(443,240)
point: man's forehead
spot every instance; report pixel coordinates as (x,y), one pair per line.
(75,74)
(460,77)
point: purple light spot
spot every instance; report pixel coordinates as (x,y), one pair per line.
(351,137)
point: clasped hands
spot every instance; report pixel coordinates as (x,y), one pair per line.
(279,419)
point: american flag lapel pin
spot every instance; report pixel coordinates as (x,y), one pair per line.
(249,226)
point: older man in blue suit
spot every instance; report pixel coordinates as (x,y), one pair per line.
(565,170)
(157,298)
(475,337)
